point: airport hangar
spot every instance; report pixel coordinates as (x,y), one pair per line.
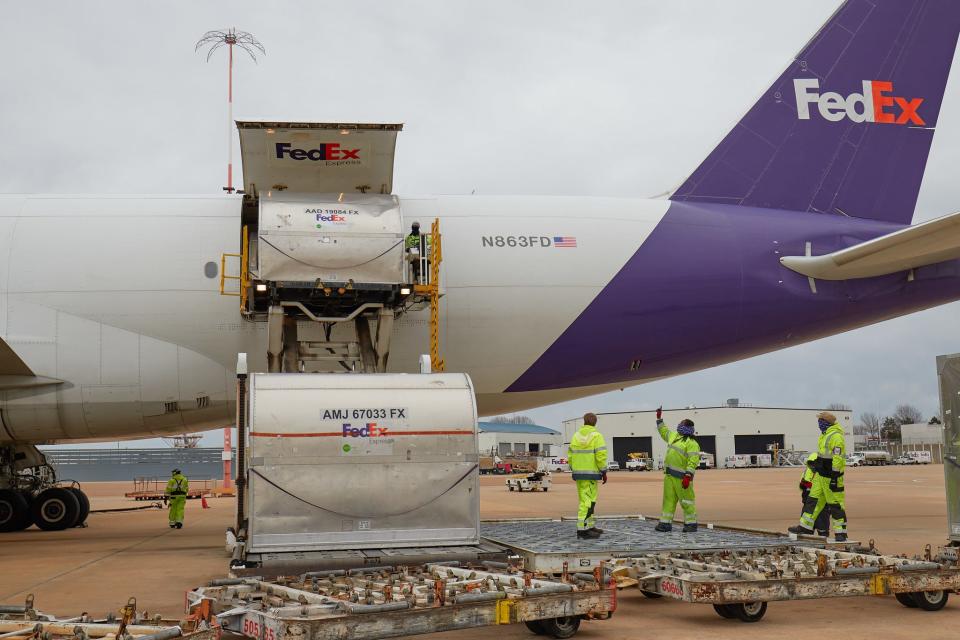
(508,440)
(723,431)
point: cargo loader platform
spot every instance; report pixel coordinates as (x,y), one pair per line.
(547,545)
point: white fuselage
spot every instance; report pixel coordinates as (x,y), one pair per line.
(115,296)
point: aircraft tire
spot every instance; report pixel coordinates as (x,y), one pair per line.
(84,506)
(14,511)
(56,509)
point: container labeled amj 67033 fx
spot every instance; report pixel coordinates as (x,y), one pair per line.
(361,461)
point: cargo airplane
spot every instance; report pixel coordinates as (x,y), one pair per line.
(795,227)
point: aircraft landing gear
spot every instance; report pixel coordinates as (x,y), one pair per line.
(31,495)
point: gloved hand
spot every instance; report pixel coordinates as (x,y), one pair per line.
(805,484)
(603,478)
(660,412)
(687,479)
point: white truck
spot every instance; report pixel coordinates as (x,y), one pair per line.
(553,464)
(922,457)
(736,462)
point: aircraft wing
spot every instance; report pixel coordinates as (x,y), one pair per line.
(930,242)
(15,374)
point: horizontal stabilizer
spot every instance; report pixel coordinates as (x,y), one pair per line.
(928,243)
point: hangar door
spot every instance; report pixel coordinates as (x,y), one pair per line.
(708,444)
(625,445)
(756,443)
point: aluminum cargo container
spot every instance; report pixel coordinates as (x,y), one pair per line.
(358,461)
(331,237)
(948,372)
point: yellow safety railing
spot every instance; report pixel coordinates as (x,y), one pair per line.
(244,278)
(432,291)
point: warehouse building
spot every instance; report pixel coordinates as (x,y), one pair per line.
(733,429)
(507,439)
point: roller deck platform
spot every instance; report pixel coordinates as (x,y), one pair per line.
(548,545)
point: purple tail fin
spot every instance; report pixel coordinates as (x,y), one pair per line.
(847,128)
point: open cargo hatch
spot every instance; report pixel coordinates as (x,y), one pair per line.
(317,157)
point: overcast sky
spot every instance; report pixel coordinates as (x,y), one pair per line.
(553,97)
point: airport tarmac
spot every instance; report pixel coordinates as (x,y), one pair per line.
(134,554)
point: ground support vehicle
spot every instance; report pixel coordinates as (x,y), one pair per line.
(538,481)
(384,602)
(639,461)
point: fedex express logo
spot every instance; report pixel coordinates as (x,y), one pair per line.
(325,151)
(875,104)
(371,430)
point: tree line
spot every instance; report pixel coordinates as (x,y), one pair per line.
(888,427)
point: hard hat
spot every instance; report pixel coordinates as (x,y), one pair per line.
(175,472)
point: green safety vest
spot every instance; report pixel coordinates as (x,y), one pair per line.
(178,485)
(831,446)
(587,454)
(683,452)
(414,241)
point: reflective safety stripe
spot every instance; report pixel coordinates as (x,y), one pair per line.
(686,502)
(587,475)
(682,452)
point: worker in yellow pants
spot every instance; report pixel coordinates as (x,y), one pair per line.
(679,465)
(827,492)
(176,493)
(588,464)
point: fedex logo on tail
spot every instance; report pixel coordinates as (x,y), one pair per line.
(875,104)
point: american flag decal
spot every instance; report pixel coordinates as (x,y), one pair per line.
(565,241)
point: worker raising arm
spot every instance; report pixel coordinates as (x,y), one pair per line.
(679,465)
(588,462)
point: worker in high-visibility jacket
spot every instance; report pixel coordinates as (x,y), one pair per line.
(679,466)
(822,525)
(827,491)
(587,456)
(176,493)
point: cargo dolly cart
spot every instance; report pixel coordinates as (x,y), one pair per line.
(536,481)
(739,583)
(385,602)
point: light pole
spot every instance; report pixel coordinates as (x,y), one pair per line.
(231,38)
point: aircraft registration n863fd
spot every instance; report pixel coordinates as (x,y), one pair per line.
(796,226)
